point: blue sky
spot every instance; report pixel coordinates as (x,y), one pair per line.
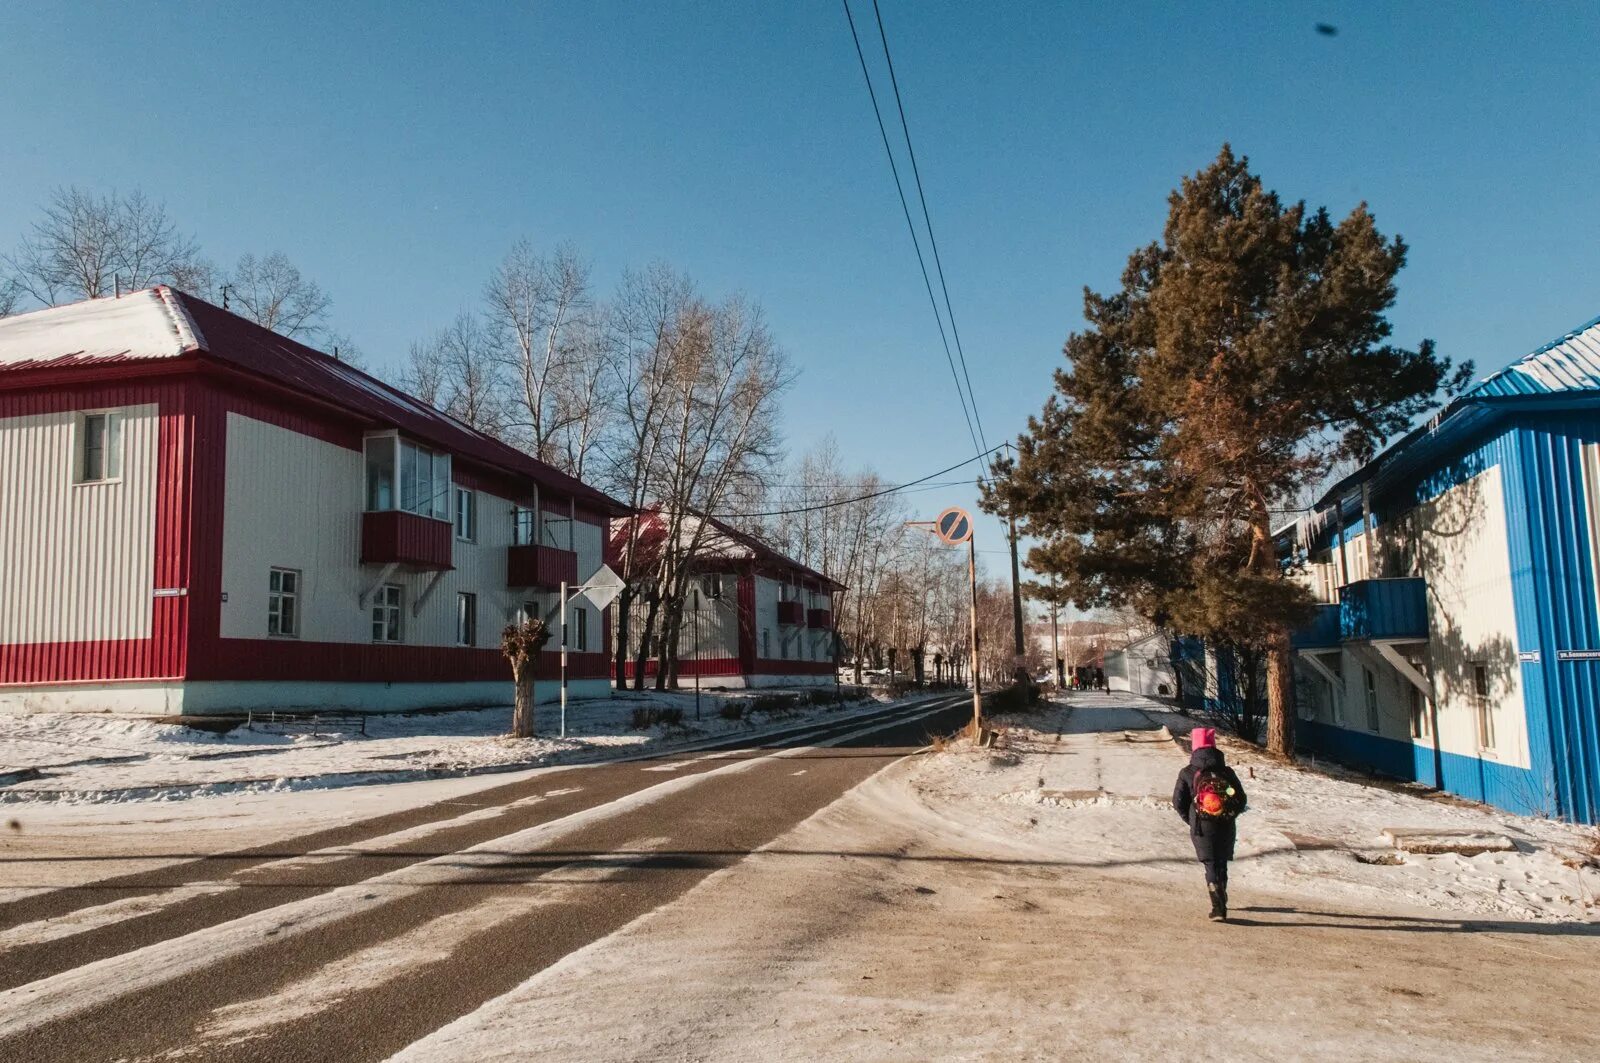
(395,151)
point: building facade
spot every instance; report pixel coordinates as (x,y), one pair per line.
(1458,643)
(203,516)
(752,617)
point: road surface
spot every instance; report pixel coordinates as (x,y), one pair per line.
(351,943)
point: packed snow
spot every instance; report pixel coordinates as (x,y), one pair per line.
(74,757)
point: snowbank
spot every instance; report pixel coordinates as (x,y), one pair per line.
(83,758)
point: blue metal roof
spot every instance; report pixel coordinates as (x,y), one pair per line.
(1569,366)
(1571,363)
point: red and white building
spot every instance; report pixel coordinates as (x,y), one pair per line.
(753,617)
(199,515)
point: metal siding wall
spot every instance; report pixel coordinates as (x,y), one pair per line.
(130,547)
(78,558)
(1557,604)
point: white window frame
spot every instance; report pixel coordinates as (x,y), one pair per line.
(1374,723)
(439,501)
(276,598)
(111,447)
(466,618)
(1483,710)
(465,514)
(525,525)
(388,609)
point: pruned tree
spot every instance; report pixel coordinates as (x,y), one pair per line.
(86,246)
(272,292)
(1245,355)
(522,643)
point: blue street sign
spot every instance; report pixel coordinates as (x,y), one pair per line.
(954,526)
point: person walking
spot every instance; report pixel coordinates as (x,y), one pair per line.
(1210,798)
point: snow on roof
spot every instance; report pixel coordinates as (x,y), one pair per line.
(720,541)
(160,322)
(134,327)
(1571,363)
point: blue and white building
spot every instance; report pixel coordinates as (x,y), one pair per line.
(1458,643)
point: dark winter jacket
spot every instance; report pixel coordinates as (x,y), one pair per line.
(1213,838)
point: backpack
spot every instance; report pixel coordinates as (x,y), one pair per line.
(1215,797)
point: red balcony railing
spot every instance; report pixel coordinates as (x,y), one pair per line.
(391,536)
(791,613)
(540,566)
(821,619)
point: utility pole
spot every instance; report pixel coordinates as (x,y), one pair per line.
(1019,673)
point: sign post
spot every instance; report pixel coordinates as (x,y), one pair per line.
(601,589)
(954,527)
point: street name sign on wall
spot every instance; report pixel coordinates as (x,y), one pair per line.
(954,526)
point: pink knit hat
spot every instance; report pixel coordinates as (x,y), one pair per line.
(1202,737)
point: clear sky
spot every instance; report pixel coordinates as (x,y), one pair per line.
(394,151)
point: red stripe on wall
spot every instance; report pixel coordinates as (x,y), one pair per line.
(293,660)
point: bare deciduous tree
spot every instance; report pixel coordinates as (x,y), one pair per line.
(86,246)
(272,292)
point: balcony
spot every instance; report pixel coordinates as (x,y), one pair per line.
(393,537)
(1384,610)
(791,614)
(1370,610)
(540,566)
(820,619)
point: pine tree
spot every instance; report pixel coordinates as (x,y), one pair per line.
(1246,354)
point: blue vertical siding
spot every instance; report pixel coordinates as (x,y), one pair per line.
(1554,586)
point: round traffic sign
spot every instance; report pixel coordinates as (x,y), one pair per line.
(953,526)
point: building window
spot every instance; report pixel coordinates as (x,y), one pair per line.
(1372,700)
(466,619)
(712,586)
(581,619)
(766,642)
(386,614)
(466,514)
(524,526)
(1480,703)
(1421,726)
(99,449)
(404,476)
(283,602)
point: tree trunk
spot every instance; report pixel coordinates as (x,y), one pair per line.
(522,713)
(1280,695)
(1280,665)
(622,613)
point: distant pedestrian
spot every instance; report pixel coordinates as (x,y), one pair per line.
(1099,678)
(1210,797)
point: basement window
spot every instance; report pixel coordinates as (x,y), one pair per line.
(98,452)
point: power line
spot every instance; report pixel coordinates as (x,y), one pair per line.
(911,226)
(859,498)
(927,220)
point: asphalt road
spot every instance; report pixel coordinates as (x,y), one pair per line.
(350,944)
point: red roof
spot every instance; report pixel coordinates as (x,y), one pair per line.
(743,545)
(205,332)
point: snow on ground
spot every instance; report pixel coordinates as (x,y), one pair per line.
(77,757)
(1040,901)
(1104,786)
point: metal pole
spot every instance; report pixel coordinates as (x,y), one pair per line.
(563,658)
(697,653)
(977,683)
(1055,644)
(1016,604)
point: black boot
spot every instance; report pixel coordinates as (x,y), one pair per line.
(1219,903)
